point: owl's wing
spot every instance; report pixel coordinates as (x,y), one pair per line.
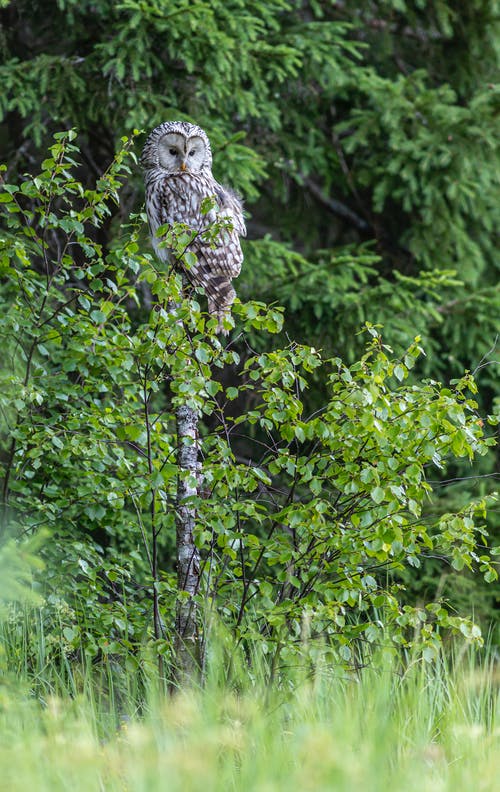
(231,206)
(220,260)
(223,258)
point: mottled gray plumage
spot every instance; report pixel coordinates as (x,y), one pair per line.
(178,162)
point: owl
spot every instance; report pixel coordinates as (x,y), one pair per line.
(177,160)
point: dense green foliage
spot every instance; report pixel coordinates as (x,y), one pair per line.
(305,537)
(342,124)
(364,140)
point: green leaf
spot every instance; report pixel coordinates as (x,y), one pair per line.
(399,372)
(377,494)
(202,354)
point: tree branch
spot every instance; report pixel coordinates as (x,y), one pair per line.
(336,207)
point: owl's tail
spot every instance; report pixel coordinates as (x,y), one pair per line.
(220,306)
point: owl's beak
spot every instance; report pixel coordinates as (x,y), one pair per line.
(183,166)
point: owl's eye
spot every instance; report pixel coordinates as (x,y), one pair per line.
(173,151)
(192,153)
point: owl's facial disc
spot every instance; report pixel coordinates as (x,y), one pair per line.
(178,153)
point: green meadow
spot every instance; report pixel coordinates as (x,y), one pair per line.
(431,727)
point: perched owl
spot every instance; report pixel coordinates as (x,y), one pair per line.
(178,164)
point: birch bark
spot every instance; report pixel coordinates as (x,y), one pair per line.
(187,638)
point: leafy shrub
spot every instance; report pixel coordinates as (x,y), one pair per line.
(302,539)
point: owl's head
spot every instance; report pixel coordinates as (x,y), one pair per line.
(177,147)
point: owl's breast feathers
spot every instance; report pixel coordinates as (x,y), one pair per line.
(177,198)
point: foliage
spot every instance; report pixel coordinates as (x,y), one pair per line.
(348,124)
(19,561)
(361,135)
(298,541)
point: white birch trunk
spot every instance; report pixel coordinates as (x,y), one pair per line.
(187,638)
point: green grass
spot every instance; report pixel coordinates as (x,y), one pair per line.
(430,729)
